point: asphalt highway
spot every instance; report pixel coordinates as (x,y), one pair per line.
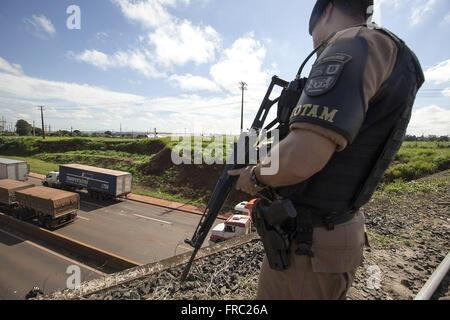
(137,231)
(25,264)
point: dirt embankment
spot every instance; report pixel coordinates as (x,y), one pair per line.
(190,181)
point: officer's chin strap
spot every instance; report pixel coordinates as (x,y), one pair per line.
(323,44)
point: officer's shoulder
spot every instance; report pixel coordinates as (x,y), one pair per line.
(374,38)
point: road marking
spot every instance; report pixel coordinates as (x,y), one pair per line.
(144,217)
(54,253)
(93,204)
(78,215)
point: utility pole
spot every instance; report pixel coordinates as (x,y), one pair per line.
(3,124)
(243,87)
(42,118)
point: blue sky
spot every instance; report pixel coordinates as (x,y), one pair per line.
(175,65)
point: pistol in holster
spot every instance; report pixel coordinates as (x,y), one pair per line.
(275,223)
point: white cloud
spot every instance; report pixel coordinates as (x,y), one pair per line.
(243,62)
(101,35)
(446,19)
(40,26)
(446,92)
(380,5)
(136,60)
(420,11)
(95,58)
(189,82)
(430,120)
(439,73)
(150,13)
(175,41)
(179,43)
(5,66)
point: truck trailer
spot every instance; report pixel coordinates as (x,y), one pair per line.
(99,182)
(8,188)
(52,208)
(13,169)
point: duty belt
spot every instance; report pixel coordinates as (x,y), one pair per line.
(310,218)
(280,222)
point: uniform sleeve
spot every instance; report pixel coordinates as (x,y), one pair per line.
(342,81)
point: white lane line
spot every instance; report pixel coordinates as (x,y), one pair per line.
(78,215)
(144,217)
(54,253)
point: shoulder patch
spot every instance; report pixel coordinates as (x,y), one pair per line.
(325,74)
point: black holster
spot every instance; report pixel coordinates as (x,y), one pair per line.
(276,224)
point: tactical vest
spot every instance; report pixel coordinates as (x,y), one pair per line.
(351,177)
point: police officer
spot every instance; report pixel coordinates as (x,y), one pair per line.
(347,127)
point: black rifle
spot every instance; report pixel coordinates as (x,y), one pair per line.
(286,102)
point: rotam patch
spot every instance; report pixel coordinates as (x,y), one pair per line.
(325,74)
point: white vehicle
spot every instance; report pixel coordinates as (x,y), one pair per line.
(51,179)
(236,225)
(13,169)
(245,207)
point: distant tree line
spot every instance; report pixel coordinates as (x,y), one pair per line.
(430,138)
(23,128)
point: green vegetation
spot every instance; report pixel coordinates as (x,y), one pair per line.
(392,192)
(149,160)
(419,159)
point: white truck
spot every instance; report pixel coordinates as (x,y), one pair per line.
(240,223)
(244,208)
(236,225)
(13,169)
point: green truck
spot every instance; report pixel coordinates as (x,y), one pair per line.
(52,208)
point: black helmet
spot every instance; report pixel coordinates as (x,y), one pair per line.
(320,6)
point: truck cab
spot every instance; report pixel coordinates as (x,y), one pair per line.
(51,179)
(245,207)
